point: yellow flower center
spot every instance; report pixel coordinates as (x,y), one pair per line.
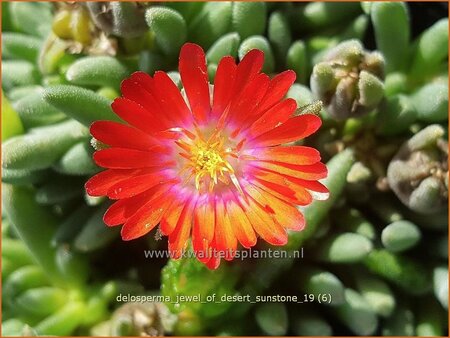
(207,161)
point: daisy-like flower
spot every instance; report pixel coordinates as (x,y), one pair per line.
(212,163)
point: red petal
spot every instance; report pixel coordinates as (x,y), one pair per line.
(278,88)
(223,85)
(138,184)
(298,155)
(122,210)
(273,117)
(99,184)
(178,238)
(194,76)
(137,115)
(119,135)
(285,214)
(170,218)
(248,68)
(258,215)
(170,99)
(296,128)
(311,172)
(147,217)
(120,158)
(225,239)
(241,225)
(242,107)
(297,195)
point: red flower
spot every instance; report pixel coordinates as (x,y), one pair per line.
(208,164)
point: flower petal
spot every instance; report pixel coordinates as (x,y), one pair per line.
(170,218)
(273,117)
(148,216)
(225,239)
(120,135)
(258,215)
(178,238)
(310,172)
(136,115)
(138,184)
(194,76)
(170,99)
(223,85)
(121,158)
(297,195)
(298,155)
(99,184)
(294,129)
(242,228)
(278,88)
(248,68)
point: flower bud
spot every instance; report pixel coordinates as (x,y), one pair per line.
(349,80)
(418,173)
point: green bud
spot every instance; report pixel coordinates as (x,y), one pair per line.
(395,83)
(200,280)
(389,17)
(12,327)
(401,323)
(63,322)
(440,285)
(352,220)
(403,271)
(226,45)
(18,93)
(357,314)
(395,115)
(22,279)
(272,318)
(249,18)
(431,49)
(33,18)
(16,73)
(95,234)
(71,226)
(400,236)
(16,252)
(322,79)
(431,102)
(11,123)
(35,112)
(24,176)
(73,266)
(417,174)
(316,15)
(315,281)
(338,168)
(377,294)
(212,69)
(169,28)
(81,104)
(53,55)
(20,46)
(430,320)
(24,213)
(356,29)
(213,21)
(310,323)
(279,35)
(43,147)
(41,301)
(58,190)
(297,60)
(77,161)
(344,248)
(97,71)
(371,89)
(261,43)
